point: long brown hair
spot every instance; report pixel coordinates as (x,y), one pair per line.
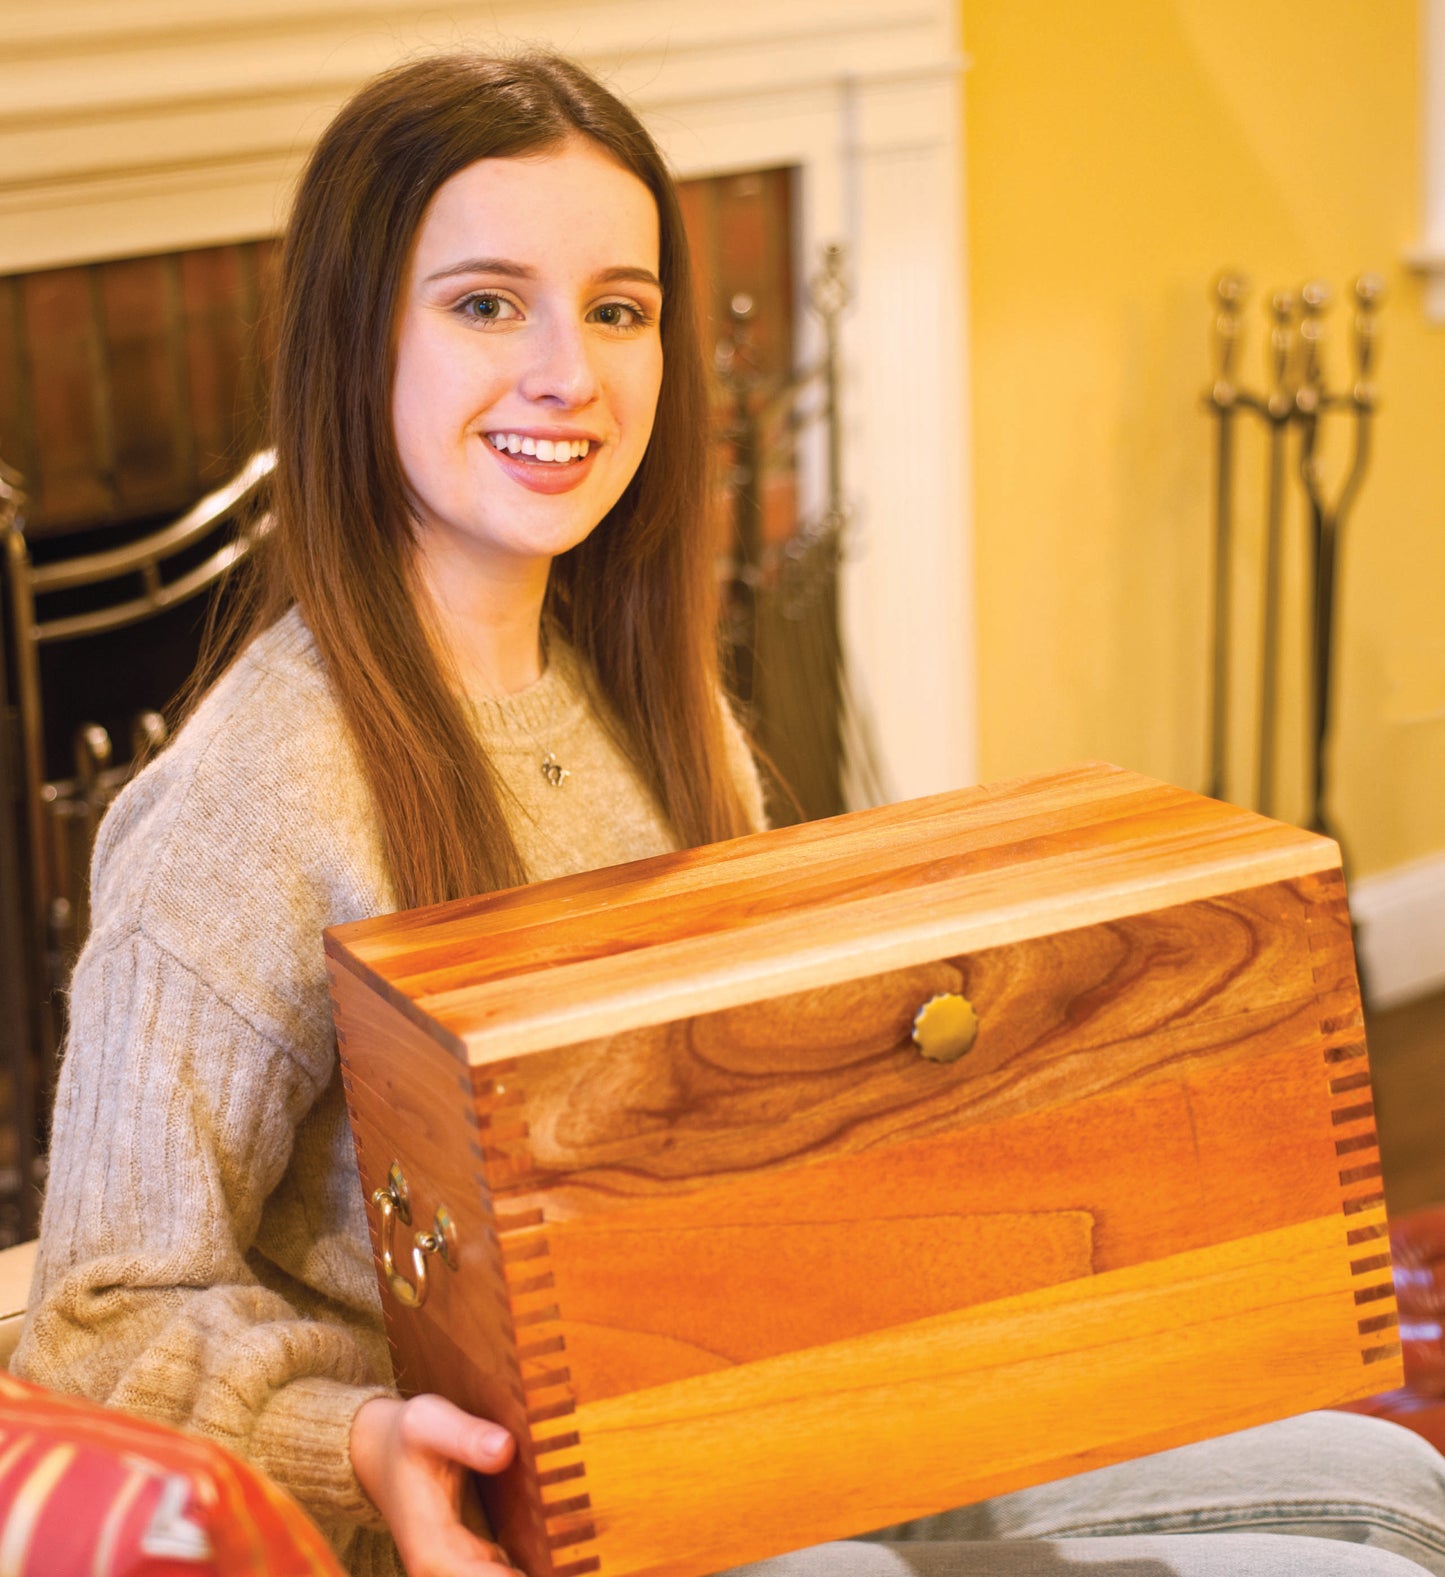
(636,599)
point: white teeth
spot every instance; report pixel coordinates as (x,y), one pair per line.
(559,451)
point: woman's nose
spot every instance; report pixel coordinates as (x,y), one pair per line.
(559,370)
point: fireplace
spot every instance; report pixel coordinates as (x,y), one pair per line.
(796,126)
(140,383)
(146,132)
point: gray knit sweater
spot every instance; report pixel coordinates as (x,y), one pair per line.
(204,1257)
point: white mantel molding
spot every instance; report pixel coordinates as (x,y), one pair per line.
(136,128)
(148,127)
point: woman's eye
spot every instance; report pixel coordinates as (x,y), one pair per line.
(619,315)
(485,308)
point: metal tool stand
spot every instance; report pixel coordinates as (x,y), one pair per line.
(1295,407)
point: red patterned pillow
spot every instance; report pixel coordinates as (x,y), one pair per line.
(85,1492)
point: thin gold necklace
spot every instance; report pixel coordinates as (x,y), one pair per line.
(552,769)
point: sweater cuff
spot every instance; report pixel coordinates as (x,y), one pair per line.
(303,1441)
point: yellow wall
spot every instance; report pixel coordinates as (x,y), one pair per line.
(1120,152)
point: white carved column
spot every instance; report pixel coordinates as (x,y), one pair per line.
(1429,254)
(908,590)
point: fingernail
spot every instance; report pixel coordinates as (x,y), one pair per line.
(495,1440)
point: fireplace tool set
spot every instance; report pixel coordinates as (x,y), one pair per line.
(1296,405)
(781,611)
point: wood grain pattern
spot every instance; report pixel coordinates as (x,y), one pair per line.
(408,1102)
(832,1071)
(1059,1380)
(1345,1067)
(707,929)
(744,1270)
(761,1231)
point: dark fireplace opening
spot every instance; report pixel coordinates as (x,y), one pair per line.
(113,677)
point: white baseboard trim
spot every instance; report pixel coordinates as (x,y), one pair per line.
(1401,920)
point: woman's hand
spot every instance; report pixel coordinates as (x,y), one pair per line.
(413,1459)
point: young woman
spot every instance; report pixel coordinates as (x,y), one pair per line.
(485,654)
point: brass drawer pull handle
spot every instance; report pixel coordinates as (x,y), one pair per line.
(945,1027)
(394,1203)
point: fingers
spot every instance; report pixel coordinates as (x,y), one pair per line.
(467,1553)
(412,1459)
(431,1423)
(452,1553)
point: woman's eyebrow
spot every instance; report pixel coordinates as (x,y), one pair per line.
(510,270)
(634,276)
(484,265)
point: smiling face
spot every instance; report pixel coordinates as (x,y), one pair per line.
(528,358)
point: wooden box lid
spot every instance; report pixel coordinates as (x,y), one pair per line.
(800,907)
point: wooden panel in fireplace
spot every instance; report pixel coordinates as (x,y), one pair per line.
(129,388)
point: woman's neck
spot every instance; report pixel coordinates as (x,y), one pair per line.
(488,628)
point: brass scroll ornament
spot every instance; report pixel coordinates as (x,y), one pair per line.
(945,1027)
(394,1203)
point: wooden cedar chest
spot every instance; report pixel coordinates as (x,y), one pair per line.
(742,1270)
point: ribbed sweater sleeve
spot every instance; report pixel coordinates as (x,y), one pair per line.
(204,1256)
(152,1301)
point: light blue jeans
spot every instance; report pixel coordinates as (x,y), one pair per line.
(1325,1495)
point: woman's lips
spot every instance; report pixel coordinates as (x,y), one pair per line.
(544,476)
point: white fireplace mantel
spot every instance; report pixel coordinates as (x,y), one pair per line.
(149,127)
(1428,254)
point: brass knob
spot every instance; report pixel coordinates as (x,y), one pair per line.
(945,1027)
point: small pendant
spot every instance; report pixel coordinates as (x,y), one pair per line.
(553,770)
